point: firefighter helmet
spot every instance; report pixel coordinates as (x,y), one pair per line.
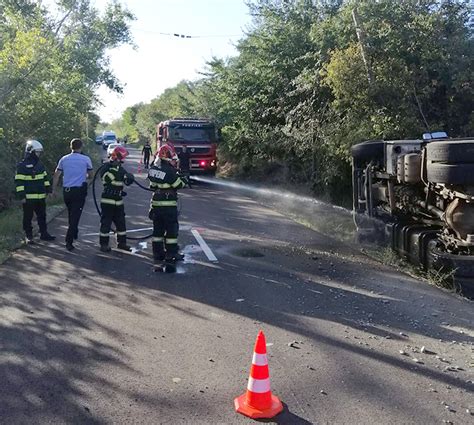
(33,146)
(168,154)
(119,154)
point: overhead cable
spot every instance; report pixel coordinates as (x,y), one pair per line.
(177,35)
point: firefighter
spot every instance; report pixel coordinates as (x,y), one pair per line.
(146,153)
(32,185)
(114,176)
(184,162)
(165,181)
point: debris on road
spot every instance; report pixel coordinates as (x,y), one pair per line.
(424,350)
(450,369)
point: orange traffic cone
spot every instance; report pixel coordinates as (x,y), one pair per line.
(258,401)
(139,167)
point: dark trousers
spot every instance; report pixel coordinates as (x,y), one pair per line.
(112,214)
(146,160)
(165,232)
(74,198)
(187,175)
(38,207)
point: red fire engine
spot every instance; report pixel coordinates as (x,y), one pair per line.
(200,137)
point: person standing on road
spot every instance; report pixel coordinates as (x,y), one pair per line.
(75,168)
(32,185)
(165,182)
(184,164)
(146,152)
(114,176)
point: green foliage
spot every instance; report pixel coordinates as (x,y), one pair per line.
(10,232)
(299,94)
(49,71)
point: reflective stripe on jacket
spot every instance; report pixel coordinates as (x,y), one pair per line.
(114,177)
(164,179)
(31,179)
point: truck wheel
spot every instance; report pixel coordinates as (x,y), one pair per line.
(455,152)
(450,173)
(367,151)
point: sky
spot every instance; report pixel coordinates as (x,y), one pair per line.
(158,61)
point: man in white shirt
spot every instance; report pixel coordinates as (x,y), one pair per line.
(76,168)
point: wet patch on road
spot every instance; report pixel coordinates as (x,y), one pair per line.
(247,253)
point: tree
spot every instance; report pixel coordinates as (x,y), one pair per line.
(49,71)
(297,95)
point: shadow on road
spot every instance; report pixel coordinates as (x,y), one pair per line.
(51,344)
(286,418)
(48,362)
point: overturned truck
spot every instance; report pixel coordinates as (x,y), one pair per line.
(418,196)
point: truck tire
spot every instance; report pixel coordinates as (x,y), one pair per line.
(450,173)
(455,152)
(367,151)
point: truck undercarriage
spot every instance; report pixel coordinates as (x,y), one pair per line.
(418,195)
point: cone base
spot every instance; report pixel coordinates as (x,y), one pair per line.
(242,407)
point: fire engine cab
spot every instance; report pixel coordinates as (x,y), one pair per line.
(200,137)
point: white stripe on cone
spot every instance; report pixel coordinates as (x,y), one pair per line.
(259,359)
(258,385)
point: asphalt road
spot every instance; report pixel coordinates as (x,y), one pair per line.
(93,338)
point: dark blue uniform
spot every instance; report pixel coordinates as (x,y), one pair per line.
(146,152)
(32,186)
(164,179)
(114,176)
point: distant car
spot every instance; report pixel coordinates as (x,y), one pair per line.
(98,140)
(108,137)
(111,147)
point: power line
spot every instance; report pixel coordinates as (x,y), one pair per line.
(187,36)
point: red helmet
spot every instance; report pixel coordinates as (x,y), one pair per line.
(119,154)
(167,153)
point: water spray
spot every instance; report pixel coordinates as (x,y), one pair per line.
(326,218)
(270,193)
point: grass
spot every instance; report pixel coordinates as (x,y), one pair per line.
(442,279)
(11,231)
(388,256)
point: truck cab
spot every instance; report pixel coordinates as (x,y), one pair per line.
(199,135)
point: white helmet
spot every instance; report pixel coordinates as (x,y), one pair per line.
(33,146)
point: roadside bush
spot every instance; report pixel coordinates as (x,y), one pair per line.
(7,171)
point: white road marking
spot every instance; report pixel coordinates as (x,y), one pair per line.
(205,247)
(316,292)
